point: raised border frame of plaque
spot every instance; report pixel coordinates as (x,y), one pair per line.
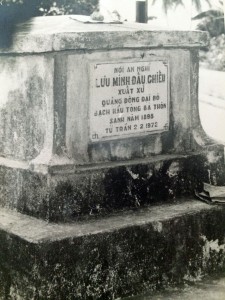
(129,98)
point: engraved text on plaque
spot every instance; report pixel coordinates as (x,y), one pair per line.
(128,99)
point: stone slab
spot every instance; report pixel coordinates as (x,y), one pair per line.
(118,256)
(47,34)
(16,223)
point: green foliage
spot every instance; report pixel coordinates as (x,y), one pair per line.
(62,7)
(214,58)
(53,7)
(213,22)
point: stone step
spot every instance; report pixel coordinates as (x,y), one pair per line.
(121,255)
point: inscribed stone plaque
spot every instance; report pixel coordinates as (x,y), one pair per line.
(128,99)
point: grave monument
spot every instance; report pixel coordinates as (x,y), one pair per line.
(100,132)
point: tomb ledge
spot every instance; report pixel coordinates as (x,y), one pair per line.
(59,33)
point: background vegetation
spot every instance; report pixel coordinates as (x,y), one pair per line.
(50,7)
(212,21)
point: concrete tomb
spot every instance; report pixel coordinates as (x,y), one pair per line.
(98,119)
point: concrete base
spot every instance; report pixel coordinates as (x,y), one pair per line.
(121,255)
(102,189)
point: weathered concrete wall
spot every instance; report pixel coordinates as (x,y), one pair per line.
(59,33)
(25,101)
(102,190)
(33,122)
(119,256)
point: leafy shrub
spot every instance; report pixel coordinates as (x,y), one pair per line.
(49,7)
(214,58)
(211,21)
(64,7)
